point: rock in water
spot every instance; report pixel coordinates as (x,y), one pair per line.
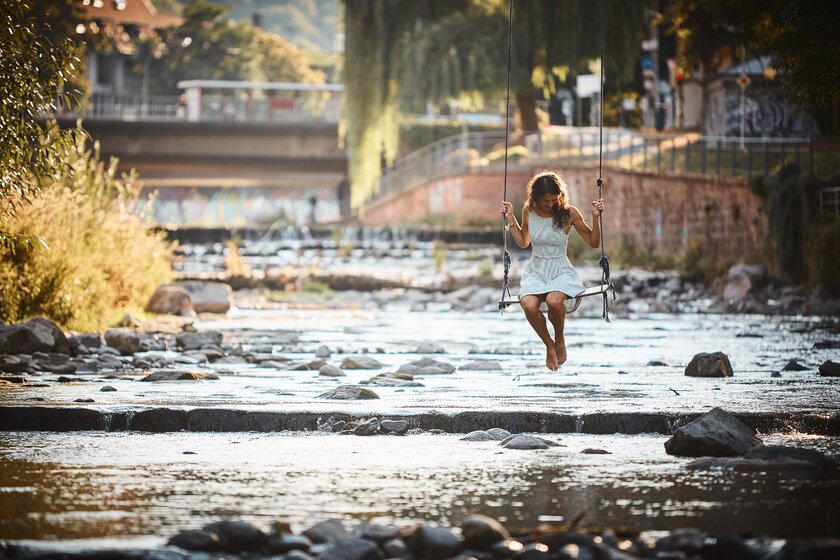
(714,364)
(480,532)
(329,530)
(125,341)
(433,543)
(209,297)
(33,335)
(830,369)
(794,365)
(478,435)
(426,366)
(717,434)
(195,340)
(522,441)
(238,536)
(196,540)
(351,549)
(348,392)
(328,370)
(171,300)
(360,362)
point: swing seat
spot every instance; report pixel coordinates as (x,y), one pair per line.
(571,303)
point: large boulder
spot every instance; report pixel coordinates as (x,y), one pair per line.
(33,335)
(426,366)
(361,362)
(195,340)
(715,364)
(348,393)
(170,299)
(209,297)
(433,543)
(741,280)
(830,369)
(125,341)
(716,434)
(480,532)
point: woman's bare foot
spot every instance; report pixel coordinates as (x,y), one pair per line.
(550,357)
(560,350)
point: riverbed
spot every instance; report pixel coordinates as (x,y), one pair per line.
(140,487)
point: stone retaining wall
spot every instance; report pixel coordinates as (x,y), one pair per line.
(668,214)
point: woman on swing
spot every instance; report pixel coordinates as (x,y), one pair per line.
(547,221)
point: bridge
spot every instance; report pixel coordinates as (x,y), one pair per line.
(228,153)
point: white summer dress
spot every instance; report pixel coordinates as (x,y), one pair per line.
(549,269)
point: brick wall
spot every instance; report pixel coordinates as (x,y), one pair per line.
(655,212)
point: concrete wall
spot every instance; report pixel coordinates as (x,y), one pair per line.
(668,214)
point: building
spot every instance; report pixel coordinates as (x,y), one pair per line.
(121,24)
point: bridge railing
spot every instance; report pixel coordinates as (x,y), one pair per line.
(302,107)
(676,154)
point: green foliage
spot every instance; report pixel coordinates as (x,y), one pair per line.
(402,53)
(613,110)
(279,61)
(417,134)
(786,216)
(309,24)
(799,36)
(101,260)
(32,72)
(823,256)
(313,286)
(209,45)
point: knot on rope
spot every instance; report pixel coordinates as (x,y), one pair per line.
(600,182)
(604,263)
(505,287)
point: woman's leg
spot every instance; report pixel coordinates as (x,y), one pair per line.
(557,315)
(531,307)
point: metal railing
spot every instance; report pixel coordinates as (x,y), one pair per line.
(303,107)
(676,154)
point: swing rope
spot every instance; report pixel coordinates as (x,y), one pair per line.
(506,257)
(603,262)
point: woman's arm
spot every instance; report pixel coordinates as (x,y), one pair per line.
(518,232)
(592,235)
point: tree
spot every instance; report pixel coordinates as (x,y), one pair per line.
(33,70)
(800,38)
(403,52)
(207,45)
(280,61)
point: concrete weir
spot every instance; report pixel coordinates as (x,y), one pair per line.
(69,419)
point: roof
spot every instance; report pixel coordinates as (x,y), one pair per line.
(131,12)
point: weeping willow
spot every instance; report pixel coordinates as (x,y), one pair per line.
(402,53)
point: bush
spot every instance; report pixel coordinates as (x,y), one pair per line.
(98,259)
(824,261)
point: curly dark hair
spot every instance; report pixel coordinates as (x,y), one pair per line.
(550,182)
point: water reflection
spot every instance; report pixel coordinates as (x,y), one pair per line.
(60,486)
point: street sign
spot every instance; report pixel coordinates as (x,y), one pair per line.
(650,45)
(647,62)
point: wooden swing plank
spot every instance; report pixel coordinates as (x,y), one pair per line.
(592,291)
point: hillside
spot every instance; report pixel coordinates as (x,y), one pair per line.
(309,24)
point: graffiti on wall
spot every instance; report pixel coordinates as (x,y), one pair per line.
(767,112)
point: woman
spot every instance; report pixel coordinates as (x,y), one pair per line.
(547,221)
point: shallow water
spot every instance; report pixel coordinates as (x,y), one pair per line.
(608,367)
(83,485)
(119,484)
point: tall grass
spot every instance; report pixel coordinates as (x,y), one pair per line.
(98,258)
